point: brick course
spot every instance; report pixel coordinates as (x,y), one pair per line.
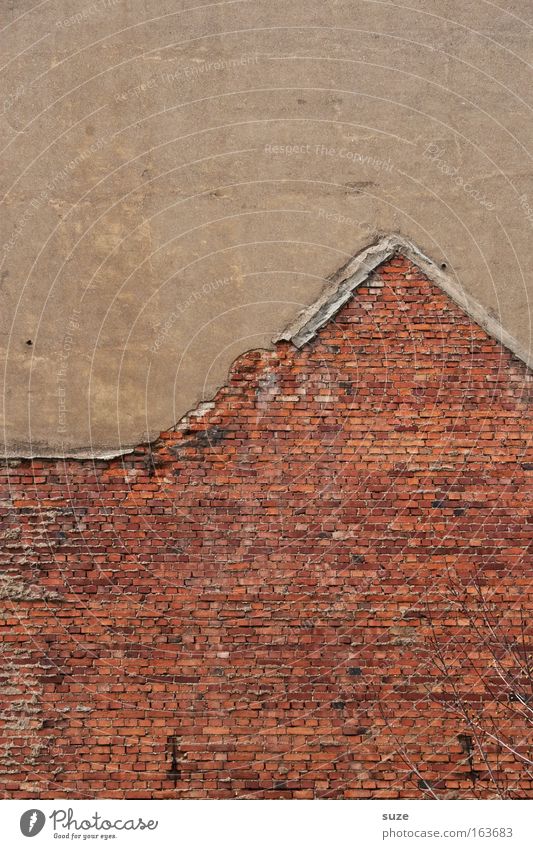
(318,587)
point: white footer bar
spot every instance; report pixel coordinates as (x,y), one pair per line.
(268,824)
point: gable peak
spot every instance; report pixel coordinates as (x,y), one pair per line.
(359,268)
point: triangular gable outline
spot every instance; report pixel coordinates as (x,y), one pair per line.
(307,324)
(358,269)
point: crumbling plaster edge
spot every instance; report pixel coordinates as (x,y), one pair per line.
(343,283)
(25,452)
(310,321)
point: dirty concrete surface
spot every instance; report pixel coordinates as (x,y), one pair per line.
(180,180)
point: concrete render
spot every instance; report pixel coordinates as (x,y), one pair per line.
(180,182)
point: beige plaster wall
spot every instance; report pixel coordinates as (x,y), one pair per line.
(179,180)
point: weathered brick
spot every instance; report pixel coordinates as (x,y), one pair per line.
(308,590)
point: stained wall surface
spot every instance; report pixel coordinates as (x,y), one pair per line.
(320,587)
(180,179)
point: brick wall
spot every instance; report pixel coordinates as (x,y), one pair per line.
(318,588)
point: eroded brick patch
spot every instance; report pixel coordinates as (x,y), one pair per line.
(321,587)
